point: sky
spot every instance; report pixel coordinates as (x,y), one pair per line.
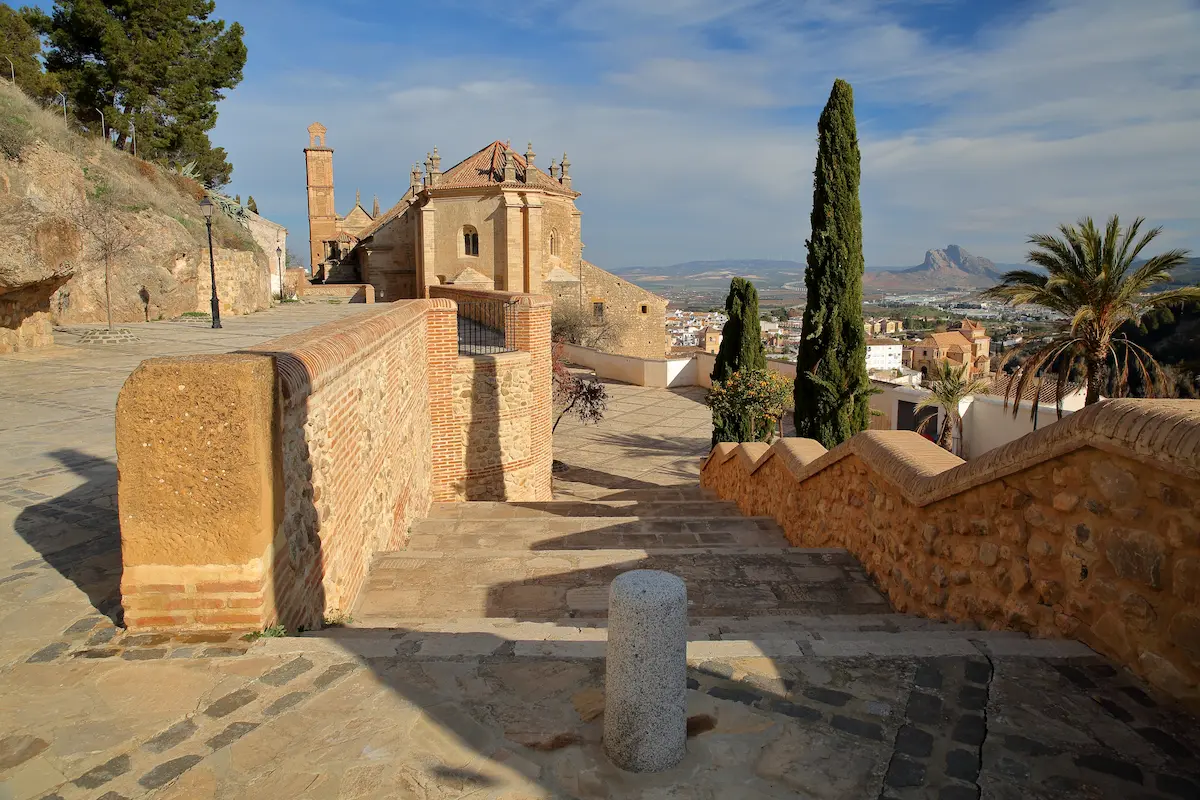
(691,124)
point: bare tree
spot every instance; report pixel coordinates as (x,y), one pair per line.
(97,215)
(570,324)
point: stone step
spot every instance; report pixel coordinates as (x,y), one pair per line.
(483,638)
(453,535)
(567,490)
(573,533)
(576,508)
(552,585)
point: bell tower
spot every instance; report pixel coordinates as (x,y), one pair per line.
(322,219)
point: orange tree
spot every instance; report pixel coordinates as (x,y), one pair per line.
(756,398)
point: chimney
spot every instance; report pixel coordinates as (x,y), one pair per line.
(566,179)
(436,173)
(529,157)
(509,166)
(553,169)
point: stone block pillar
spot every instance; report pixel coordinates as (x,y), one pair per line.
(532,336)
(645,709)
(427,271)
(534,245)
(199,491)
(511,263)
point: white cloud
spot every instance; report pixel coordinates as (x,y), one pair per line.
(686,147)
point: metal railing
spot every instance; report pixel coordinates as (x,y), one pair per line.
(486,326)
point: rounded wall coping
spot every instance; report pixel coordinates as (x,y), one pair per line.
(449,290)
(310,358)
(1163,433)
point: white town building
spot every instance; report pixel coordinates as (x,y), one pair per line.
(884,354)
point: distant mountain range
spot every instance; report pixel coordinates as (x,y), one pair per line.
(951,268)
(764,271)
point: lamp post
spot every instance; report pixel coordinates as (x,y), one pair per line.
(279,261)
(206,208)
(64,99)
(103,127)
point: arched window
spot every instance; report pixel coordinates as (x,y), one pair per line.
(553,242)
(470,241)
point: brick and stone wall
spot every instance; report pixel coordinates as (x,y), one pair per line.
(1088,528)
(505,433)
(256,487)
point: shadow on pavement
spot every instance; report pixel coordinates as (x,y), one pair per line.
(78,533)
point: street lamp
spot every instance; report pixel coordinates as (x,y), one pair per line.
(279,260)
(206,208)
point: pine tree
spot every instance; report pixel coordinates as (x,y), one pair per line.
(20,43)
(161,65)
(741,349)
(237,198)
(250,204)
(832,386)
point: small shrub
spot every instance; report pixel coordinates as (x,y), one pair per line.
(273,632)
(338,619)
(146,169)
(16,136)
(585,398)
(196,314)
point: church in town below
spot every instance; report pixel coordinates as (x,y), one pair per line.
(492,221)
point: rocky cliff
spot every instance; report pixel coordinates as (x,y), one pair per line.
(56,187)
(952,268)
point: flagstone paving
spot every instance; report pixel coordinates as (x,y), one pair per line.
(785,700)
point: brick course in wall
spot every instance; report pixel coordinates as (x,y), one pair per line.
(1089,528)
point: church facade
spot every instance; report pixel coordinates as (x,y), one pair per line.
(492,221)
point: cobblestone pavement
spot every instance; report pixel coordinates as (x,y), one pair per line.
(874,706)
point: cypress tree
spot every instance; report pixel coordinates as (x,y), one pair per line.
(832,386)
(251,205)
(741,349)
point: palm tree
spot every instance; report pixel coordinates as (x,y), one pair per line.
(950,385)
(1091,279)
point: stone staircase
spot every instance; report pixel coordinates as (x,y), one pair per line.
(537,574)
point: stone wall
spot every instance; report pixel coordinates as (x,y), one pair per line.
(633,331)
(243,282)
(256,487)
(1088,528)
(25,320)
(352,292)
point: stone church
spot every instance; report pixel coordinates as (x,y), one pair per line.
(493,221)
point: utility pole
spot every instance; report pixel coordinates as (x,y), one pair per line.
(64,99)
(12,71)
(103,127)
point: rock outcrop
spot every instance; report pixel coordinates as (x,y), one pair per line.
(51,267)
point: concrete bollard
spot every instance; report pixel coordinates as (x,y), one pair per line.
(645,709)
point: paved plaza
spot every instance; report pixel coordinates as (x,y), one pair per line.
(802,683)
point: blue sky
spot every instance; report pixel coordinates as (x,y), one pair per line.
(691,124)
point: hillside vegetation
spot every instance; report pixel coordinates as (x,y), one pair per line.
(56,183)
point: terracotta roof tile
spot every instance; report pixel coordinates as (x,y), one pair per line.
(485,168)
